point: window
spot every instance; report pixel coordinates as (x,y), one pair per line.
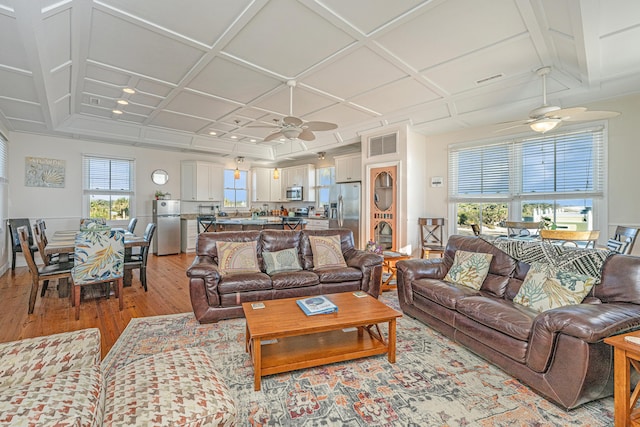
(325,178)
(4,188)
(236,192)
(558,178)
(108,187)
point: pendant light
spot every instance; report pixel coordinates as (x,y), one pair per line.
(236,173)
(276,174)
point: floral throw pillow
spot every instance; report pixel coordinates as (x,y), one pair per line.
(237,257)
(469,269)
(545,288)
(326,251)
(284,260)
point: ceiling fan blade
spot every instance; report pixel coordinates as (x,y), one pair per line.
(319,126)
(306,135)
(290,120)
(592,115)
(514,126)
(263,126)
(565,112)
(274,135)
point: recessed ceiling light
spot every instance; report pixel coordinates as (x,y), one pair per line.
(213,133)
(234,137)
(116,111)
(252,140)
(122,102)
(128,90)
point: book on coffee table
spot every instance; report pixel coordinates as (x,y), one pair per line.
(316,305)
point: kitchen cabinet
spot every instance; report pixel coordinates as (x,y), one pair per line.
(201,181)
(189,234)
(302,176)
(264,187)
(348,168)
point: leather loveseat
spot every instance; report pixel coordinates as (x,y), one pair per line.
(215,296)
(560,352)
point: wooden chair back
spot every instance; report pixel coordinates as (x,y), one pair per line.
(570,237)
(431,236)
(627,237)
(476,229)
(523,228)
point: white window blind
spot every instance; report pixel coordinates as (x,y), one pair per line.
(107,175)
(570,165)
(4,159)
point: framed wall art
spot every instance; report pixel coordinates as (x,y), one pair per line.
(41,172)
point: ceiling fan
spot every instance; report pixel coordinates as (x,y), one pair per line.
(292,127)
(548,117)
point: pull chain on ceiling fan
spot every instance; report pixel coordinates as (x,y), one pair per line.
(292,127)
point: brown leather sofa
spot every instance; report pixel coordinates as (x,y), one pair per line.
(214,297)
(559,353)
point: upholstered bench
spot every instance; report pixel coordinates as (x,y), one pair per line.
(57,380)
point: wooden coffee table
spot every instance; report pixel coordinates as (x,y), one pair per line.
(281,338)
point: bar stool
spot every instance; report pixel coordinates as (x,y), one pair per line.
(431,230)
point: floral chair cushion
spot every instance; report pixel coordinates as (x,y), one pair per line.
(99,256)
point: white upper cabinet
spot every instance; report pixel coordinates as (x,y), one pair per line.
(202,181)
(348,168)
(302,176)
(264,187)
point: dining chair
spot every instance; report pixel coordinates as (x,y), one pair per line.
(291,223)
(583,239)
(524,228)
(431,236)
(476,229)
(623,239)
(132,225)
(139,261)
(99,258)
(43,274)
(13,225)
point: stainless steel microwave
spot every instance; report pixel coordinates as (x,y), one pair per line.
(294,193)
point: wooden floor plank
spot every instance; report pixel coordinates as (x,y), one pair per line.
(168,294)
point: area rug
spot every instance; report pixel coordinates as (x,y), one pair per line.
(434,382)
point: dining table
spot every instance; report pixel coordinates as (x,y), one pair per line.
(63,242)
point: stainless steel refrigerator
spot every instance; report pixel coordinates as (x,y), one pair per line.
(166,215)
(346,198)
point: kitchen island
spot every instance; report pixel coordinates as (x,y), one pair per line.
(212,223)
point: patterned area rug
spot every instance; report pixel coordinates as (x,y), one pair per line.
(435,382)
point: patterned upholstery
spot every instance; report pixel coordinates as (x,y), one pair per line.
(52,380)
(57,381)
(174,388)
(99,257)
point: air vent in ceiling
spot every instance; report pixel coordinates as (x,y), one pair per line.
(381,145)
(487,79)
(94,101)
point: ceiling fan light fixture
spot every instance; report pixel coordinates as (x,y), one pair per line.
(292,133)
(544,125)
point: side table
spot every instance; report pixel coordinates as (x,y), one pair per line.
(389,265)
(625,355)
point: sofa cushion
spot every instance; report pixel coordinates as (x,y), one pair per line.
(284,260)
(546,288)
(469,269)
(326,251)
(237,257)
(294,279)
(341,274)
(445,294)
(68,398)
(244,282)
(498,314)
(175,388)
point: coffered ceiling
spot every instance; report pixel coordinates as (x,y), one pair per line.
(200,67)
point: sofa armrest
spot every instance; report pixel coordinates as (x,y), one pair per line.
(414,269)
(588,322)
(204,267)
(35,358)
(371,266)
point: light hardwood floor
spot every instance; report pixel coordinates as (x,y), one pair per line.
(168,294)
